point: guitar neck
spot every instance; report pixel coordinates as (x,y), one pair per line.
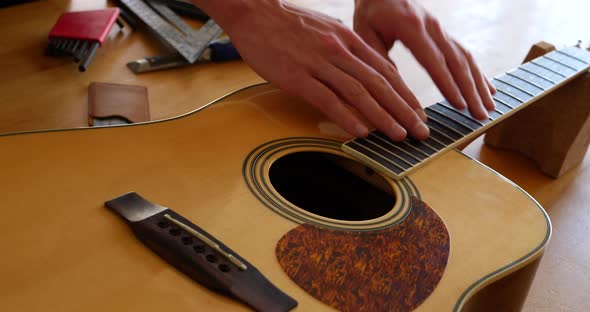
(450,127)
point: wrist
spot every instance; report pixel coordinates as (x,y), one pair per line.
(229,13)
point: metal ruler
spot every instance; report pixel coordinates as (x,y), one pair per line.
(171,30)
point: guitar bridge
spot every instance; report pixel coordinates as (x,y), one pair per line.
(199,255)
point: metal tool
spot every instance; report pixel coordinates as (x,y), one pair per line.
(85,62)
(79,34)
(174,19)
(218,51)
(109,121)
(171,30)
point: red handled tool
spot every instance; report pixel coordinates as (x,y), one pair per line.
(80,34)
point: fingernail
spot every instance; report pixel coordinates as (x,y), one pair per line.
(398,133)
(491,103)
(460,102)
(420,130)
(361,130)
(421,114)
(485,115)
(493,89)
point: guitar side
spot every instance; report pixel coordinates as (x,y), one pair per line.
(68,252)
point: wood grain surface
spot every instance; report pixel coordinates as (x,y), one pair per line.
(38,92)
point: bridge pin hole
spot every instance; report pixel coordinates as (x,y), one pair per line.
(199,248)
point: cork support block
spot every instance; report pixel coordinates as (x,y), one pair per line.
(554,131)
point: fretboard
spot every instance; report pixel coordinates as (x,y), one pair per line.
(449,127)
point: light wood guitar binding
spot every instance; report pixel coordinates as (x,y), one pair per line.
(555,132)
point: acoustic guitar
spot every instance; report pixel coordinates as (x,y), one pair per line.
(364,224)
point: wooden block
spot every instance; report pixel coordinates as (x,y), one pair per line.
(554,131)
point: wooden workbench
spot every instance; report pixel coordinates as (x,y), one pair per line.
(38,92)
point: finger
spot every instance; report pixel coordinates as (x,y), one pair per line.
(432,59)
(354,92)
(375,41)
(459,67)
(389,72)
(372,39)
(320,96)
(381,89)
(483,85)
(490,86)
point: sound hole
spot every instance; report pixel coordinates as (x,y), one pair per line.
(331,186)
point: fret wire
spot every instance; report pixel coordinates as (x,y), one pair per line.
(438,128)
(440,132)
(515,87)
(568,60)
(453,120)
(559,62)
(434,149)
(558,76)
(557,66)
(383,137)
(396,147)
(502,102)
(529,82)
(537,74)
(446,126)
(572,56)
(578,52)
(434,143)
(417,159)
(416,149)
(462,114)
(495,114)
(549,69)
(383,157)
(510,95)
(393,154)
(497,111)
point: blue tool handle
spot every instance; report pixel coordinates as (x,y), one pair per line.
(223,50)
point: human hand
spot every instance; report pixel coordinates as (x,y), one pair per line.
(451,67)
(315,57)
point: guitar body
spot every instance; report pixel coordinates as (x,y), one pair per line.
(64,251)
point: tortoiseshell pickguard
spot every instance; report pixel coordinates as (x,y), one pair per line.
(393,269)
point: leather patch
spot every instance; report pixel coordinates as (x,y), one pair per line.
(393,269)
(117,100)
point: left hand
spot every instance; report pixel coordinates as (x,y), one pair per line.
(451,67)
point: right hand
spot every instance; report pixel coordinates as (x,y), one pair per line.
(317,58)
(452,68)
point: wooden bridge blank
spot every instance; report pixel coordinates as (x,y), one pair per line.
(555,131)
